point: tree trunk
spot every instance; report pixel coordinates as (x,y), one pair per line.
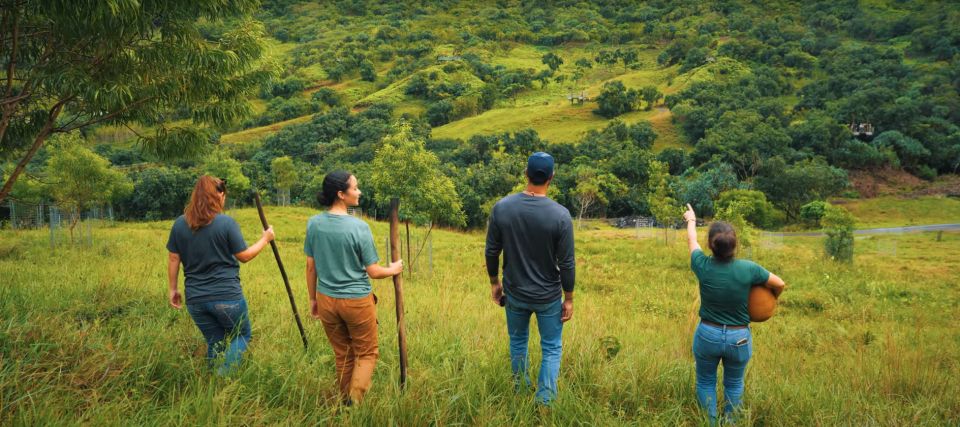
(41,137)
(73,222)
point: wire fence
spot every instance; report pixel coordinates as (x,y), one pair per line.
(885,242)
(66,226)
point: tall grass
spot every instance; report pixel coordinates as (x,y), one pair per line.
(86,337)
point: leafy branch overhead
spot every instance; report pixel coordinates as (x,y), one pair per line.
(179,69)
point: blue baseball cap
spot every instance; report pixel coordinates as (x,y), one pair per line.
(539,167)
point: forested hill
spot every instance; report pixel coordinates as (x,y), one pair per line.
(756,107)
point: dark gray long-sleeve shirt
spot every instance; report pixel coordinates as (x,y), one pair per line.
(535,235)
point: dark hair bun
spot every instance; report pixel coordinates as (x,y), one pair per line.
(333,183)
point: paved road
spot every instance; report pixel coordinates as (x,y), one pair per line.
(888,230)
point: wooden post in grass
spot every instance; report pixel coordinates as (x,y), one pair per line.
(398,287)
(283,272)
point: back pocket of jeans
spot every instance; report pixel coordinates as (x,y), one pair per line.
(742,349)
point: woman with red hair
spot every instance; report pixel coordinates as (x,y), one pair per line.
(209,244)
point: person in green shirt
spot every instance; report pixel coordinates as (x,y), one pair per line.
(341,260)
(723,335)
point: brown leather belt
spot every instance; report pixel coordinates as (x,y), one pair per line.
(707,322)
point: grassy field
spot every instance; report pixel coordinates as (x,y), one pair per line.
(86,337)
(892,211)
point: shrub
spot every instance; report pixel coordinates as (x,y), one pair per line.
(838,224)
(811,213)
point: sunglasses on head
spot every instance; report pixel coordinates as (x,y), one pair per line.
(222,186)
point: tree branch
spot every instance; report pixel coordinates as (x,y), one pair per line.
(37,142)
(106,117)
(12,65)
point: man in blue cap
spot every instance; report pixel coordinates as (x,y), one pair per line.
(535,235)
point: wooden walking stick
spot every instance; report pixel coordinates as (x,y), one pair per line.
(398,288)
(283,272)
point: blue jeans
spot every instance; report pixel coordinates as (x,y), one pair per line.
(711,346)
(226,327)
(550,326)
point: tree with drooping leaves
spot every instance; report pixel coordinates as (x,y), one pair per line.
(595,187)
(143,63)
(78,178)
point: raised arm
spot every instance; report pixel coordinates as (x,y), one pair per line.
(253,250)
(775,284)
(691,218)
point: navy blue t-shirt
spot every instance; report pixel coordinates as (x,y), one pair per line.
(211,271)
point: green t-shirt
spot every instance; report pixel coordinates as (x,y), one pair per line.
(342,248)
(725,287)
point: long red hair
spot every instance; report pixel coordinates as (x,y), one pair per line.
(205,202)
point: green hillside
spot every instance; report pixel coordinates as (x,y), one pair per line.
(790,99)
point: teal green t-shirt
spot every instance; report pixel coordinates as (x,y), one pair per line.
(725,287)
(342,248)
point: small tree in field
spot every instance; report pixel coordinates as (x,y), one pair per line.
(650,94)
(552,60)
(615,99)
(284,174)
(663,206)
(838,224)
(79,178)
(404,168)
(594,187)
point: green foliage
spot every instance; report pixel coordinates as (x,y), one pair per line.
(284,173)
(158,193)
(219,164)
(735,213)
(440,112)
(790,187)
(912,153)
(744,140)
(403,168)
(78,178)
(118,65)
(367,72)
(663,206)
(594,188)
(752,205)
(811,213)
(615,99)
(701,189)
(326,96)
(650,95)
(552,60)
(838,225)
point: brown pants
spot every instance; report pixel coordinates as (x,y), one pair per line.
(351,327)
